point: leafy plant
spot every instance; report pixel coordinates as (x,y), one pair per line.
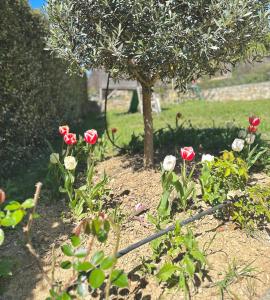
(12,215)
(253,208)
(90,269)
(183,185)
(177,260)
(225,174)
(233,274)
(80,156)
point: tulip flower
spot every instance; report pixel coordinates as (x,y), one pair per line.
(250,139)
(242,134)
(70,138)
(91,136)
(238,145)
(70,163)
(2,196)
(252,129)
(169,163)
(54,158)
(63,130)
(114,130)
(187,153)
(254,121)
(207,157)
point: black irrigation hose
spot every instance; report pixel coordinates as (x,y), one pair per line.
(172,227)
(105,116)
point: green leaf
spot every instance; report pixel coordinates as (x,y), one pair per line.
(83,266)
(190,265)
(96,226)
(66,264)
(36,216)
(107,262)
(107,226)
(17,215)
(75,241)
(96,278)
(102,236)
(164,205)
(97,258)
(6,266)
(14,205)
(8,221)
(183,282)
(166,271)
(198,255)
(65,296)
(29,203)
(67,250)
(2,236)
(119,278)
(80,253)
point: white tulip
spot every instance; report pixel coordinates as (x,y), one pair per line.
(238,145)
(54,158)
(169,163)
(242,134)
(208,157)
(250,139)
(70,163)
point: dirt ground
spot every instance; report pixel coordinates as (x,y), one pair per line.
(130,185)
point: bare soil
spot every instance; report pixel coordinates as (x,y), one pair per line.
(130,184)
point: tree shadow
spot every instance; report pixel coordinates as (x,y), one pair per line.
(169,141)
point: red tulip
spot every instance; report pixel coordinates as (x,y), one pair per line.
(254,121)
(91,136)
(2,196)
(114,130)
(187,153)
(63,130)
(70,138)
(252,129)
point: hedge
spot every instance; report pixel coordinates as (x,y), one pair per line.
(36,94)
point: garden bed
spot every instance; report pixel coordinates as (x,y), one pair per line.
(130,185)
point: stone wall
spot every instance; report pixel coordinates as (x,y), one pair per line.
(254,91)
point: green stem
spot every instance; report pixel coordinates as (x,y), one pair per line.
(108,284)
(184,172)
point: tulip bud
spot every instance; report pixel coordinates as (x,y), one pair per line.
(187,153)
(252,129)
(63,130)
(70,139)
(238,145)
(169,163)
(114,130)
(254,121)
(91,136)
(2,196)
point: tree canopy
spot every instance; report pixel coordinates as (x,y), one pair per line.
(150,40)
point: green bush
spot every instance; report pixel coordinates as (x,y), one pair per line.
(36,94)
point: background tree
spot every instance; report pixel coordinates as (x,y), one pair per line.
(151,40)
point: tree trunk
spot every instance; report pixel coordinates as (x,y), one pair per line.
(148,127)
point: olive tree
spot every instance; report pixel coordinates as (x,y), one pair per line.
(152,40)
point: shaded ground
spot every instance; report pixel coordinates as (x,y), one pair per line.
(129,188)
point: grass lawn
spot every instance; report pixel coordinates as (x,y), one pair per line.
(201,114)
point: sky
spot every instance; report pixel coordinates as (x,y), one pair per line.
(36,3)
